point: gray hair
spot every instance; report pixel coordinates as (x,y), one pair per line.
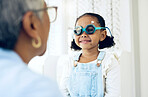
(11,14)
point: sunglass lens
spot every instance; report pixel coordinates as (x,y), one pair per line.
(78,30)
(90,29)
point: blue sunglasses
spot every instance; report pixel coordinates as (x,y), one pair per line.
(89,29)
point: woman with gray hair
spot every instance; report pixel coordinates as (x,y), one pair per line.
(24,29)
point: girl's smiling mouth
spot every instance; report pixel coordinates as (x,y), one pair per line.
(84,41)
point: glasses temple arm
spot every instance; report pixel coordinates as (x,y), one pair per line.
(109,31)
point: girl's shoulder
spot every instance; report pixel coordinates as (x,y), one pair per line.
(110,61)
(110,55)
(71,56)
(68,59)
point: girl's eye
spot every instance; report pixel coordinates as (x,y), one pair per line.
(78,30)
(90,29)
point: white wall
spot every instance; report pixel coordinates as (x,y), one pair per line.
(143,36)
(126,63)
(139,53)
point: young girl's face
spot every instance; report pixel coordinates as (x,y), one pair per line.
(89,41)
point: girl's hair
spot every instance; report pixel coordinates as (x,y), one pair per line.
(106,43)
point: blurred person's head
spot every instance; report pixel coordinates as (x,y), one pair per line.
(24,27)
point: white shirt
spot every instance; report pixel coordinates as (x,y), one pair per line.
(17,80)
(110,71)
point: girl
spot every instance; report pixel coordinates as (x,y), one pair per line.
(92,72)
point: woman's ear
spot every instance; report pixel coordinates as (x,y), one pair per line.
(30,24)
(103,35)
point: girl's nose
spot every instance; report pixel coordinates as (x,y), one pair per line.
(84,35)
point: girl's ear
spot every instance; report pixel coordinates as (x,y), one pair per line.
(30,24)
(103,35)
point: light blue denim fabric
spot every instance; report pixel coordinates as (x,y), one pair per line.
(86,79)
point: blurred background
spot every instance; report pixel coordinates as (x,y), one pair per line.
(127,20)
